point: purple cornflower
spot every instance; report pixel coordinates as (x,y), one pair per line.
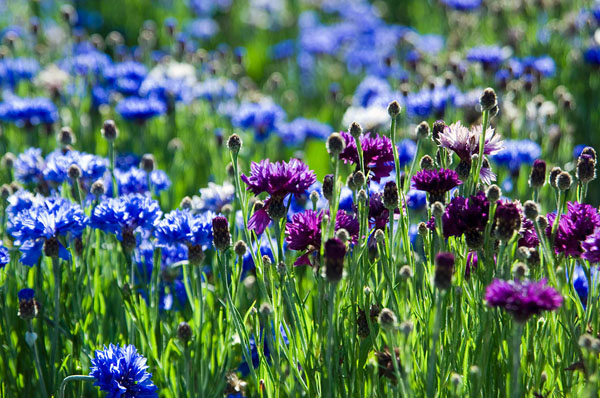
(465,143)
(436,183)
(279,180)
(122,372)
(529,237)
(378,155)
(573,228)
(592,247)
(46,228)
(507,219)
(378,214)
(466,215)
(522,299)
(303,232)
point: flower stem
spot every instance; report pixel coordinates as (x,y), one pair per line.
(486,119)
(67,379)
(516,360)
(38,364)
(54,347)
(432,357)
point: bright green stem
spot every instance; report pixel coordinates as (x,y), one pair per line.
(412,165)
(38,364)
(432,358)
(67,379)
(516,360)
(486,119)
(54,347)
(111,157)
(330,341)
(561,199)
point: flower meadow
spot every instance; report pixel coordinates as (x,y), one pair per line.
(303,198)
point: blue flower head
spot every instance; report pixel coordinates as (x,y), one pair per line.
(29,166)
(55,222)
(214,197)
(517,153)
(125,77)
(126,213)
(122,373)
(488,56)
(216,89)
(135,180)
(4,256)
(13,70)
(300,129)
(463,5)
(244,368)
(262,117)
(581,282)
(28,111)
(26,294)
(58,162)
(140,109)
(183,227)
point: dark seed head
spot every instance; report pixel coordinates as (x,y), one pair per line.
(221,235)
(277,208)
(335,251)
(444,269)
(564,181)
(390,195)
(488,99)
(553,174)
(129,242)
(234,143)
(184,332)
(327,187)
(537,178)
(109,130)
(148,164)
(586,168)
(5,191)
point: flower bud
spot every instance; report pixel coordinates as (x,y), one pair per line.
(327,187)
(362,196)
(358,179)
(221,235)
(438,128)
(234,143)
(387,319)
(8,160)
(186,203)
(355,130)
(520,270)
(98,189)
(184,332)
(342,234)
(531,210)
(422,229)
(394,109)
(444,269)
(74,172)
(5,191)
(390,195)
(335,251)
(379,236)
(542,222)
(265,310)
(335,144)
(422,130)
(406,272)
(65,137)
(553,174)
(29,308)
(240,248)
(406,327)
(314,197)
(109,131)
(493,193)
(488,99)
(437,209)
(564,181)
(426,163)
(148,164)
(537,178)
(586,168)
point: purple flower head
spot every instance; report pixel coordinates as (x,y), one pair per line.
(465,215)
(122,372)
(507,219)
(46,229)
(522,299)
(436,183)
(574,227)
(529,237)
(303,232)
(378,214)
(465,143)
(278,180)
(125,214)
(592,247)
(377,154)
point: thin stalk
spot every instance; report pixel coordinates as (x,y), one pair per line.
(486,120)
(330,341)
(38,364)
(67,379)
(432,358)
(55,330)
(516,360)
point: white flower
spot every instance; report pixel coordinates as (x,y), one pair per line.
(52,78)
(370,118)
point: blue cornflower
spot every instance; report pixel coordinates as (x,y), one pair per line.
(58,162)
(283,49)
(22,200)
(265,250)
(184,227)
(488,56)
(517,153)
(581,282)
(47,227)
(89,62)
(209,7)
(214,197)
(125,214)
(29,166)
(28,111)
(592,55)
(122,373)
(135,180)
(406,151)
(215,89)
(298,130)
(13,70)
(262,117)
(463,5)
(202,28)
(244,368)
(26,294)
(4,256)
(125,77)
(371,89)
(416,200)
(140,109)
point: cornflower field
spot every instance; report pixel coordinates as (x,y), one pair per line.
(299,198)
